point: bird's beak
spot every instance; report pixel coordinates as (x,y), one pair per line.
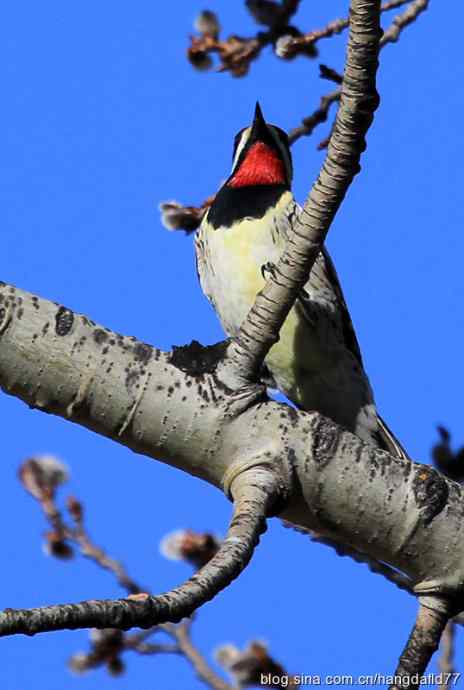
(259,127)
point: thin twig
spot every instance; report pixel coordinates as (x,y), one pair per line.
(390,35)
(310,122)
(293,46)
(95,553)
(198,661)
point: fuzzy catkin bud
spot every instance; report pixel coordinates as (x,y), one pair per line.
(207,24)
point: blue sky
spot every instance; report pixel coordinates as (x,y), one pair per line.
(102,118)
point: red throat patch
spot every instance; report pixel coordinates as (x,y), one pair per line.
(261,165)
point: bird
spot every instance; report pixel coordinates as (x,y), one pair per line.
(317,362)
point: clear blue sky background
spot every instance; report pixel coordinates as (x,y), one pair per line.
(102,117)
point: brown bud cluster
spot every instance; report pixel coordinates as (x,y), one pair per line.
(106,649)
(174,216)
(197,548)
(247,667)
(41,476)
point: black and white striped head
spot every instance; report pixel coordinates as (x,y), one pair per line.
(261,155)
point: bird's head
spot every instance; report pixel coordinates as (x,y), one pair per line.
(261,155)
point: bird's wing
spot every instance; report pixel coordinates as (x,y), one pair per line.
(324,278)
(326,275)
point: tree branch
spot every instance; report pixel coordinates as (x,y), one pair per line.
(432,618)
(198,662)
(398,512)
(293,46)
(390,35)
(358,101)
(252,505)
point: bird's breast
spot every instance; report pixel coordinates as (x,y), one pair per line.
(230,267)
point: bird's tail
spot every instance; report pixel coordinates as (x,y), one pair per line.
(388,441)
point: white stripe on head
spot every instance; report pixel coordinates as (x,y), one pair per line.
(241,145)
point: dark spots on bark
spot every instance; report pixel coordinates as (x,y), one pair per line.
(64,319)
(324,440)
(132,379)
(170,390)
(160,387)
(2,314)
(45,328)
(358,453)
(35,303)
(142,352)
(100,336)
(20,313)
(292,416)
(11,290)
(197,359)
(430,492)
(407,469)
(291,455)
(105,350)
(112,341)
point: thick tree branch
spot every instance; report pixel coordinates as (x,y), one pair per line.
(358,101)
(181,411)
(251,506)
